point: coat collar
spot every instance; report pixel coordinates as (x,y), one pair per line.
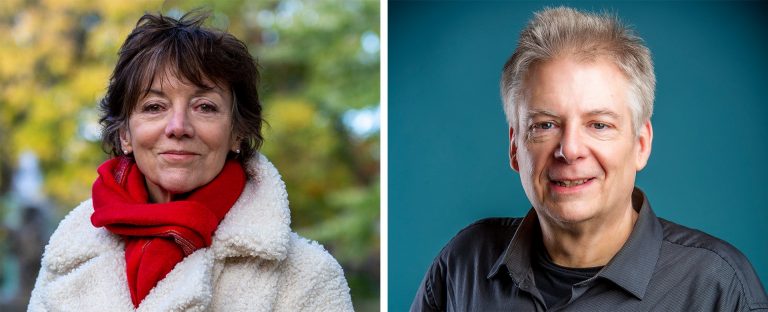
(257,226)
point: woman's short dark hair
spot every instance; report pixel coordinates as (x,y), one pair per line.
(192,52)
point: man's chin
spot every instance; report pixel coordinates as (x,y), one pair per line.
(570,213)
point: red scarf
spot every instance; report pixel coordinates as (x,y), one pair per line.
(158,236)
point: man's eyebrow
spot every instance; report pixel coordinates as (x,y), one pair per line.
(597,112)
(604,112)
(539,112)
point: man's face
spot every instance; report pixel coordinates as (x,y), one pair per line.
(577,153)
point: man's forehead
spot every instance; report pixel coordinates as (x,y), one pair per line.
(557,67)
(567,86)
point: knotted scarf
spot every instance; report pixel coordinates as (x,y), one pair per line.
(159,235)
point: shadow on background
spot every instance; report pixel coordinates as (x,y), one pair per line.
(448,146)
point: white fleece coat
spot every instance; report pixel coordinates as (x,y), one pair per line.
(255,263)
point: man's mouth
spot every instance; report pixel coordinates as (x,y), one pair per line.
(571,183)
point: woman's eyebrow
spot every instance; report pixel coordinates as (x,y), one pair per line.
(198,91)
(214,89)
(156,92)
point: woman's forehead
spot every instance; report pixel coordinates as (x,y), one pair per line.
(172,75)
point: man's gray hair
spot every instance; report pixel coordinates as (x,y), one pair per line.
(565,31)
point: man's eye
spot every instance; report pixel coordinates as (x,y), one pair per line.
(544,125)
(599,125)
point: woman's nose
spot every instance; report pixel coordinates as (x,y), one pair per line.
(572,146)
(179,124)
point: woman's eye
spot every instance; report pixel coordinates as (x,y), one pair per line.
(152,108)
(207,108)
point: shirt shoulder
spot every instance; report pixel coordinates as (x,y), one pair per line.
(709,256)
(463,262)
(485,234)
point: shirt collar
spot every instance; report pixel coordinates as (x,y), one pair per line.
(631,268)
(517,257)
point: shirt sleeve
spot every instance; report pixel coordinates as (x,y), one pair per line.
(431,294)
(745,292)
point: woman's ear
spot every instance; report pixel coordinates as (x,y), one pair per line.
(236,145)
(125,141)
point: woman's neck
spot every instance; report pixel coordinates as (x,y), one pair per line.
(157,194)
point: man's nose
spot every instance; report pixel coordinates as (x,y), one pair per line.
(179,124)
(572,146)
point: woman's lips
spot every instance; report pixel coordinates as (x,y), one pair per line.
(178,156)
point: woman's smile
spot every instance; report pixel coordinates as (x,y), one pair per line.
(178,156)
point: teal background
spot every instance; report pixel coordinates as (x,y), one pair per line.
(448,143)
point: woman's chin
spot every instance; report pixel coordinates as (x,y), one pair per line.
(168,188)
(177,189)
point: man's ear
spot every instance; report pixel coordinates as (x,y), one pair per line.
(125,140)
(513,151)
(644,142)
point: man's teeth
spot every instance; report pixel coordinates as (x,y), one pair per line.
(571,183)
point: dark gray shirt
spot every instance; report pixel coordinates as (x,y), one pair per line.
(661,267)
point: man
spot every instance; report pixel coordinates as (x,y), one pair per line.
(578,94)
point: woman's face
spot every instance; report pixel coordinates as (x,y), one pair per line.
(179,135)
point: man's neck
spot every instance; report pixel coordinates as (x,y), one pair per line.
(588,244)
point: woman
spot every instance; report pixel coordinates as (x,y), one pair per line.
(187,215)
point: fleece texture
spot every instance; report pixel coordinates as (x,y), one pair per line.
(255,263)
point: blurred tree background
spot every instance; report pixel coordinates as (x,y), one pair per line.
(320,89)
